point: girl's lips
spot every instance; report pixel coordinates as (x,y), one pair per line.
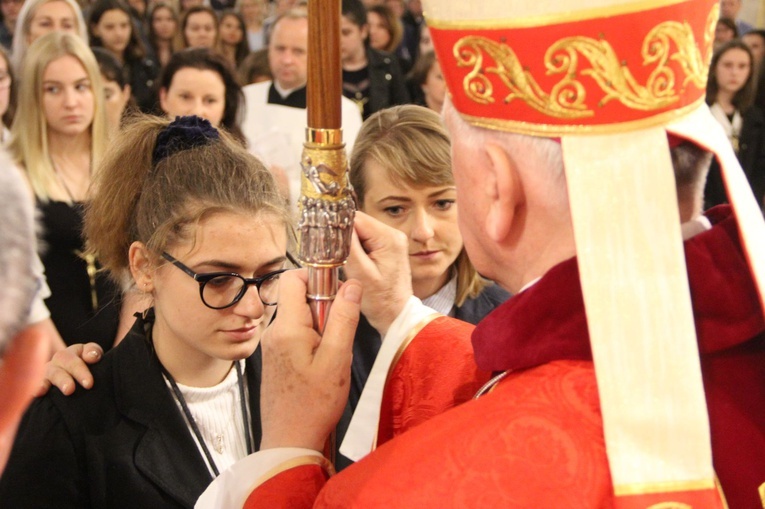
(242,334)
(425,255)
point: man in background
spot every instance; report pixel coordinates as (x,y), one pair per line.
(730,9)
(275,118)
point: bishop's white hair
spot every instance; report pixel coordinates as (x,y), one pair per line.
(18,254)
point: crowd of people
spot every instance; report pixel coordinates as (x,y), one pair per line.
(240,66)
(160,144)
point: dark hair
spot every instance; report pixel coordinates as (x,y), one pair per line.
(729,23)
(355,11)
(110,67)
(134,50)
(112,70)
(206,59)
(150,19)
(395,29)
(195,10)
(255,65)
(744,97)
(243,47)
(758,32)
(11,111)
(419,73)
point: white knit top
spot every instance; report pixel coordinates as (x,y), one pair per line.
(218,413)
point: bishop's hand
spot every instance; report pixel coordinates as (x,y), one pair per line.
(306,377)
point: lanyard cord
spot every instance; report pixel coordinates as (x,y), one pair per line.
(193,423)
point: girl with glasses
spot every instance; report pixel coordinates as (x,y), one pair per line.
(199,229)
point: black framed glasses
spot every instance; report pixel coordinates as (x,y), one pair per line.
(220,290)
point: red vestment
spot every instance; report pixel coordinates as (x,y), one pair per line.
(537,439)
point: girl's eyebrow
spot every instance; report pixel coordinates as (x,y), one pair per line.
(234,267)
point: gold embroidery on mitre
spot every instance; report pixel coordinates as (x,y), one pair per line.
(761,489)
(567,98)
(669,505)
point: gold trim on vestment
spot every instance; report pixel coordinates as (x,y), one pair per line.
(321,461)
(663,487)
(555,131)
(403,346)
(552,19)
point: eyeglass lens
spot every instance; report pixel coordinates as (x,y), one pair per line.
(222,291)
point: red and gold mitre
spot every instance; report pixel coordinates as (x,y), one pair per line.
(595,70)
(612,79)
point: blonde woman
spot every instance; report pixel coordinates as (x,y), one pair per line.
(39,17)
(58,138)
(401,171)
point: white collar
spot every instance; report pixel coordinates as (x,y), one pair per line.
(443,300)
(284,92)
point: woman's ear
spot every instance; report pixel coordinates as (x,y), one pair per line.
(504,191)
(142,267)
(163,99)
(126,90)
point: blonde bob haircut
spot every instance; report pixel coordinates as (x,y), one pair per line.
(29,137)
(24,23)
(412,144)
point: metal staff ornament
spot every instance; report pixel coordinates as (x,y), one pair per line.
(326,197)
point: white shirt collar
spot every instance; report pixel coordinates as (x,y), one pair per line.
(284,92)
(443,300)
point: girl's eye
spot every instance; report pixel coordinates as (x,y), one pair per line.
(394,211)
(444,204)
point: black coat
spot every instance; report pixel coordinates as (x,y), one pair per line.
(122,444)
(143,74)
(387,86)
(367,343)
(751,155)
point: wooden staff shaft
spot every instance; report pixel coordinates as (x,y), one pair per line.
(325,84)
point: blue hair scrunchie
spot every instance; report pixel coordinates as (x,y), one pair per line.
(183,133)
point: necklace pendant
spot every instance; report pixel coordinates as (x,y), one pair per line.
(219,443)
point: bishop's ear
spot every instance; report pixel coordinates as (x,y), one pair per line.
(504,191)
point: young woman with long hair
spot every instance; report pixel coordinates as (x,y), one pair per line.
(232,43)
(39,17)
(730,96)
(199,28)
(163,32)
(401,171)
(58,138)
(111,27)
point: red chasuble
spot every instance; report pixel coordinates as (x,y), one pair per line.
(536,440)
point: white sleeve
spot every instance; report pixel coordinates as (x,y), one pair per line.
(362,432)
(232,487)
(39,311)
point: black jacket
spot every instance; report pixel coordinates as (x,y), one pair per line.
(751,155)
(122,444)
(387,86)
(143,74)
